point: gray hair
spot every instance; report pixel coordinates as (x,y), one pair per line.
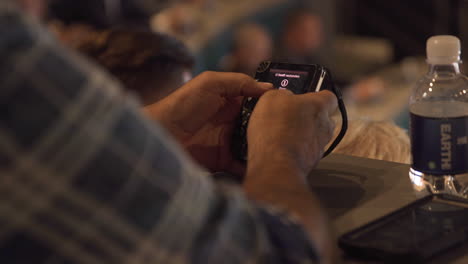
(381,140)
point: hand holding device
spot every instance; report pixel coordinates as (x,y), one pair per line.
(297,78)
(201,116)
(291,129)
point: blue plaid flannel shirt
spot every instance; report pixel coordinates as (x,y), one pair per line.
(85,178)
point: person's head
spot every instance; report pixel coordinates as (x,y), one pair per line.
(303,32)
(381,140)
(252,44)
(150,64)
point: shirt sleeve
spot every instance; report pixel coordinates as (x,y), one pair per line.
(85,178)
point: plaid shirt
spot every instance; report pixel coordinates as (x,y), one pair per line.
(85,178)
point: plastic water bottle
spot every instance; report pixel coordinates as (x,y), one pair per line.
(439,122)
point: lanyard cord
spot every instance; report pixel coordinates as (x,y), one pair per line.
(344,123)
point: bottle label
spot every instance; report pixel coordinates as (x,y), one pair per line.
(439,145)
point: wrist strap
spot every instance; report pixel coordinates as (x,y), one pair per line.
(344,123)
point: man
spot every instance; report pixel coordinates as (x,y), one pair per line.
(301,38)
(252,44)
(86,178)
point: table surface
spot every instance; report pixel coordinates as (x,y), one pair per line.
(355,191)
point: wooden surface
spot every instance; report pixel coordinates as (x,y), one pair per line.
(355,191)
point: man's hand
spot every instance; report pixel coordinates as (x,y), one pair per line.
(286,137)
(291,128)
(201,116)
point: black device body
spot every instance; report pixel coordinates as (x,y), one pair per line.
(412,234)
(298,78)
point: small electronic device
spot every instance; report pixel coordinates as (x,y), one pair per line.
(298,78)
(412,234)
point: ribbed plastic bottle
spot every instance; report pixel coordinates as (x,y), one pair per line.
(439,122)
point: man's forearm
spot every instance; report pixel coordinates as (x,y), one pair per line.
(265,184)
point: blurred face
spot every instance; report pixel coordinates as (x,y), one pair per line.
(36,8)
(304,36)
(257,49)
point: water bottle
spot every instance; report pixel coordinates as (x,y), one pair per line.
(439,122)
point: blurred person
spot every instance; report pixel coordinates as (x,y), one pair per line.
(181,20)
(74,22)
(136,14)
(74,35)
(88,12)
(252,44)
(101,14)
(88,178)
(151,64)
(382,140)
(36,9)
(301,38)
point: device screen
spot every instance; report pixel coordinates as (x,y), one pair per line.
(294,81)
(425,229)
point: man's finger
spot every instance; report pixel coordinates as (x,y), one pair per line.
(326,99)
(228,84)
(230,111)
